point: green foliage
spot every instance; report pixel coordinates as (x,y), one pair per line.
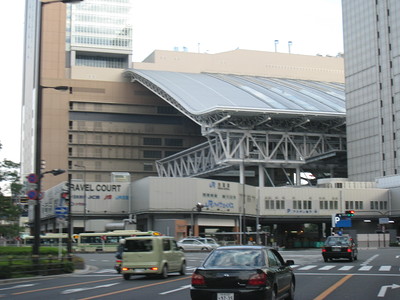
(9,211)
(27,251)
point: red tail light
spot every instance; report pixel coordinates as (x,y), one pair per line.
(258,279)
(349,250)
(118,261)
(323,250)
(198,279)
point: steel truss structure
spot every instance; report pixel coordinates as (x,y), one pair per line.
(265,149)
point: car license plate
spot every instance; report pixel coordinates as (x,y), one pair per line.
(336,249)
(225,296)
(138,270)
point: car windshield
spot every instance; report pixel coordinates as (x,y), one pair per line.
(138,245)
(234,258)
(337,241)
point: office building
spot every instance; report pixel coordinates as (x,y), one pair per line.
(372,68)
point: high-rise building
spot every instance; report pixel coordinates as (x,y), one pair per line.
(105,124)
(372,68)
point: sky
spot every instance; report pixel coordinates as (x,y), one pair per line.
(206,26)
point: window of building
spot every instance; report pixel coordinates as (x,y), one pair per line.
(338,185)
(307,204)
(151,141)
(297,204)
(349,204)
(152,154)
(147,167)
(323,204)
(173,142)
(280,204)
(359,205)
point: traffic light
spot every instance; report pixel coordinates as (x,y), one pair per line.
(349,213)
(199,206)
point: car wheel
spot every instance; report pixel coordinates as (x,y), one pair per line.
(351,258)
(127,276)
(183,269)
(326,259)
(164,273)
(291,292)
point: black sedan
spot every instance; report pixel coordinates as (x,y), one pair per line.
(243,272)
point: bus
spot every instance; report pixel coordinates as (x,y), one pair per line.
(47,240)
(107,241)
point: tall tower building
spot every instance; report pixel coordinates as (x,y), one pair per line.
(105,124)
(372,68)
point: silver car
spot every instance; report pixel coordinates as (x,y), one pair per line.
(195,244)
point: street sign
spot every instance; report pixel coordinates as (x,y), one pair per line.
(340,220)
(32,178)
(32,194)
(61,210)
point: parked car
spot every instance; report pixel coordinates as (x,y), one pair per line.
(195,244)
(243,272)
(152,255)
(339,247)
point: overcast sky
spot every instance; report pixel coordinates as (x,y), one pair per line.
(206,26)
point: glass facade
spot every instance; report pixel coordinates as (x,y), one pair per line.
(99,33)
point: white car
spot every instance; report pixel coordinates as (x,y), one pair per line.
(194,244)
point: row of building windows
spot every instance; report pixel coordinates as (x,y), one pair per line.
(117,20)
(103,8)
(325,205)
(100,61)
(150,141)
(115,42)
(115,31)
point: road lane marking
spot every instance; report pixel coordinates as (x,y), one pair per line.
(307,267)
(369,260)
(134,288)
(326,268)
(70,291)
(385,268)
(63,286)
(324,294)
(17,286)
(346,268)
(176,290)
(384,288)
(365,268)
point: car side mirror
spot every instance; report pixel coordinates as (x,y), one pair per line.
(289,262)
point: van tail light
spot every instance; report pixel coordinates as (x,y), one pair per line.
(125,269)
(258,279)
(154,269)
(198,279)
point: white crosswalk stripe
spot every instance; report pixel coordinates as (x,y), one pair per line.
(346,268)
(385,268)
(326,268)
(365,268)
(307,267)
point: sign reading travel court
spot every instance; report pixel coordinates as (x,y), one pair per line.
(97,187)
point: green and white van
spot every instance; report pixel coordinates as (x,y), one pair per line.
(151,255)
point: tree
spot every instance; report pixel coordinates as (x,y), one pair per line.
(9,210)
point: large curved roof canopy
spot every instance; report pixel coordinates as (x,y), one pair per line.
(248,101)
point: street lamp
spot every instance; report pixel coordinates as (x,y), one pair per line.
(84,195)
(38,133)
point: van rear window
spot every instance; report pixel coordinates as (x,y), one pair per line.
(138,246)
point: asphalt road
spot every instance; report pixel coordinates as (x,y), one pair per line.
(375,275)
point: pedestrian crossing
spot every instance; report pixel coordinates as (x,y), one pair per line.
(360,268)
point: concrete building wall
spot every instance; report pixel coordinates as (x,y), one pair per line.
(371,30)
